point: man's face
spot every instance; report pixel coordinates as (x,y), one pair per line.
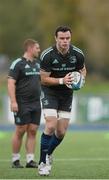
(63,39)
(35,50)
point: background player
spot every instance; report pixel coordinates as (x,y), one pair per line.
(24,92)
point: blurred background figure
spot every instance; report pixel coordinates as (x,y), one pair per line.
(24,92)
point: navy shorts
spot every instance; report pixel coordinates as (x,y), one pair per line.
(57,100)
(28,113)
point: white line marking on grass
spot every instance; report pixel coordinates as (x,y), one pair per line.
(83,159)
(66,159)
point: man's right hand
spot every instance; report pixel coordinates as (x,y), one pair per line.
(68,79)
(14,107)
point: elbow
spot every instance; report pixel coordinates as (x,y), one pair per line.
(85,73)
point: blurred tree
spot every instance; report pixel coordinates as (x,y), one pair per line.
(38,19)
(94,31)
(17,24)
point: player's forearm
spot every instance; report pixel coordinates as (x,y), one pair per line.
(11,91)
(83,71)
(50,81)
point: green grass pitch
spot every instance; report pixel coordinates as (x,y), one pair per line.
(82,155)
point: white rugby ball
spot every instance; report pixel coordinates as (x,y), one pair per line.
(78,81)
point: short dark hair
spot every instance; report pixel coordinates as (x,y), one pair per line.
(28,43)
(62,29)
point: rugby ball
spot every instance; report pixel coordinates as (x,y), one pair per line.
(78,81)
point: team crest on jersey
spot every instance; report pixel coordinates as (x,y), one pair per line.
(63,65)
(73,59)
(55,61)
(38,65)
(34,69)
